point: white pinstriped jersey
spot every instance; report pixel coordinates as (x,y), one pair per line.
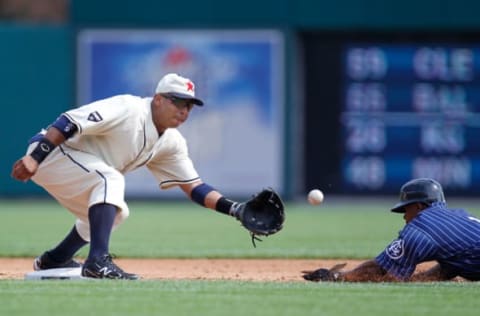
(120,131)
(450,237)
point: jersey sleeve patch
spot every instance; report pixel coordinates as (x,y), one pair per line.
(396,249)
(95,117)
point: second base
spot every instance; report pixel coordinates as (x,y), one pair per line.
(55,274)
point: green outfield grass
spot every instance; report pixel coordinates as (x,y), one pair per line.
(187,230)
(211,298)
(156,229)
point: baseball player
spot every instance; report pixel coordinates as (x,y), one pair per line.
(433,232)
(81,159)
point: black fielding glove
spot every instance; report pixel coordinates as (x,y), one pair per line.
(262,215)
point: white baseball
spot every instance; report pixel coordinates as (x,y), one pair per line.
(315,197)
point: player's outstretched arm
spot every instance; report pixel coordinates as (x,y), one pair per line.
(207,196)
(24,168)
(368,271)
(261,215)
(435,273)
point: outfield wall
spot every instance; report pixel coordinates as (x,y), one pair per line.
(38,71)
(295,14)
(36,84)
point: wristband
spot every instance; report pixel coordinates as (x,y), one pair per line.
(200,192)
(224,206)
(43,149)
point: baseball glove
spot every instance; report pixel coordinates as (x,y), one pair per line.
(262,215)
(332,274)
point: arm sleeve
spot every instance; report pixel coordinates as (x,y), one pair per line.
(172,165)
(65,126)
(402,255)
(99,117)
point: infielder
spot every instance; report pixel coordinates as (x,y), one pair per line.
(433,232)
(82,156)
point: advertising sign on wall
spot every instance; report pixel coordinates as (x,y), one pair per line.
(236,139)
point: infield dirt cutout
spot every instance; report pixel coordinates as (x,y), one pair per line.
(202,269)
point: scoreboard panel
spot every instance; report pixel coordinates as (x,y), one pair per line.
(409,110)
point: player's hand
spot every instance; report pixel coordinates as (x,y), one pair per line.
(23,169)
(332,274)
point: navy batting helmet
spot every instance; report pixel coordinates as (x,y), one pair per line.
(423,190)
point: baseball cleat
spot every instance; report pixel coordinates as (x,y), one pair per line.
(103,268)
(45,262)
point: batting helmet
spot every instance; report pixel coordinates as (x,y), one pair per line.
(423,190)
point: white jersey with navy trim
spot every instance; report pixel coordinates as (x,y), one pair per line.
(115,135)
(120,131)
(450,237)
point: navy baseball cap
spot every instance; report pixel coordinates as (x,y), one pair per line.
(179,87)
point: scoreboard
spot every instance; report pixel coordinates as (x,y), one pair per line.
(409,110)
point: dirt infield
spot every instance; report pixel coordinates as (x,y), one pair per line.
(200,269)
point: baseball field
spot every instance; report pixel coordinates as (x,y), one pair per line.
(195,262)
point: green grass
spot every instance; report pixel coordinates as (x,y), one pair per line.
(235,298)
(159,229)
(185,230)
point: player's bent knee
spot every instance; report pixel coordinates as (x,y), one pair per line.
(109,189)
(122,215)
(83,229)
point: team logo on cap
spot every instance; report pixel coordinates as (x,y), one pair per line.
(396,249)
(190,86)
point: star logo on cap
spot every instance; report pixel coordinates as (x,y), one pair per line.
(189,86)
